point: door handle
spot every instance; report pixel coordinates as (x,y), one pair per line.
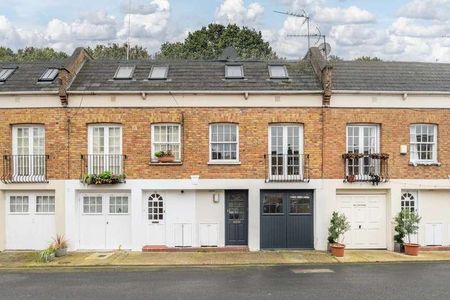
(359,226)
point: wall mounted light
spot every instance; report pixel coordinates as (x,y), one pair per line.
(403,149)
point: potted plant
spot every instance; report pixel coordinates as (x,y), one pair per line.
(399,232)
(339,225)
(47,255)
(60,245)
(165,156)
(411,224)
(105,177)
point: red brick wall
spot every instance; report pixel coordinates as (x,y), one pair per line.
(394,128)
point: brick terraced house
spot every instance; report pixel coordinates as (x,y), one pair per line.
(261,152)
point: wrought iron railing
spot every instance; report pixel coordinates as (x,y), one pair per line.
(25,168)
(102,168)
(360,167)
(287,167)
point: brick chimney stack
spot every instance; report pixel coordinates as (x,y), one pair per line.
(323,72)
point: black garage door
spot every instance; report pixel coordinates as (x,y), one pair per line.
(287,219)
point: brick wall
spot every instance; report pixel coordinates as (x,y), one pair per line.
(394,129)
(54,120)
(253,131)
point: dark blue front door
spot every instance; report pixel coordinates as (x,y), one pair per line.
(236,217)
(287,219)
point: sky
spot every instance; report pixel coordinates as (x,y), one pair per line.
(406,30)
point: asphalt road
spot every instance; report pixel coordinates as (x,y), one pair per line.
(362,281)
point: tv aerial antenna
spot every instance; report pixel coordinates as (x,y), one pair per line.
(129,29)
(306,19)
(324,47)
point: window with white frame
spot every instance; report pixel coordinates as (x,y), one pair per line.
(118,204)
(423,143)
(45,204)
(92,204)
(105,149)
(362,139)
(155,207)
(224,142)
(166,137)
(29,150)
(409,201)
(286,151)
(18,204)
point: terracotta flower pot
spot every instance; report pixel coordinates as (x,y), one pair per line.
(337,250)
(166,159)
(411,249)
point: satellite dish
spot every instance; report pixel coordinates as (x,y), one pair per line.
(325,48)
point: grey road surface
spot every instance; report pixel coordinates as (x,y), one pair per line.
(359,281)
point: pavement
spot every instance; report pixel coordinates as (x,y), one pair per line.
(319,281)
(17,260)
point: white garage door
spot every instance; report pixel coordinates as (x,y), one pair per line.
(30,221)
(367,217)
(105,221)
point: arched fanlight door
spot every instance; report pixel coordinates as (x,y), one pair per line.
(155,208)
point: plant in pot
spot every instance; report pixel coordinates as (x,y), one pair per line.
(411,224)
(339,225)
(399,231)
(60,244)
(165,156)
(47,255)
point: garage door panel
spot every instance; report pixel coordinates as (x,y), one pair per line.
(273,229)
(300,227)
(92,232)
(367,218)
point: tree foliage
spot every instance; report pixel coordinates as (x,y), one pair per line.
(116,51)
(333,58)
(367,58)
(211,40)
(31,54)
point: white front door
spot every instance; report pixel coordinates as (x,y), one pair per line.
(154,214)
(367,217)
(105,221)
(30,221)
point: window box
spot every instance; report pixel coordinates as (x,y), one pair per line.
(104,178)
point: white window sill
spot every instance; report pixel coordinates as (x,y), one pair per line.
(224,162)
(424,163)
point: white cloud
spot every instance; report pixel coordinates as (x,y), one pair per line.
(9,35)
(413,28)
(234,12)
(426,9)
(147,23)
(350,15)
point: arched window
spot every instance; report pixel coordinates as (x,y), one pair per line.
(409,201)
(155,207)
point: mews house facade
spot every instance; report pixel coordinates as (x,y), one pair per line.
(261,152)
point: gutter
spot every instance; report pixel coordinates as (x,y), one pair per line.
(30,93)
(272,92)
(390,92)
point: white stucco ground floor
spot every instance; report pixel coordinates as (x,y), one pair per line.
(217,213)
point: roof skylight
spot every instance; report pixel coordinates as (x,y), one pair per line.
(278,72)
(5,73)
(49,75)
(124,72)
(158,72)
(234,71)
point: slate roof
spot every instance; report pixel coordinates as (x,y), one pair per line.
(391,76)
(97,75)
(25,77)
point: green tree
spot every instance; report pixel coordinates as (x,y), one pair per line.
(211,40)
(333,58)
(6,54)
(116,51)
(32,54)
(367,58)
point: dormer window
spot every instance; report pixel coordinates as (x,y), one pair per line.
(158,72)
(124,72)
(234,71)
(49,75)
(278,72)
(5,73)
